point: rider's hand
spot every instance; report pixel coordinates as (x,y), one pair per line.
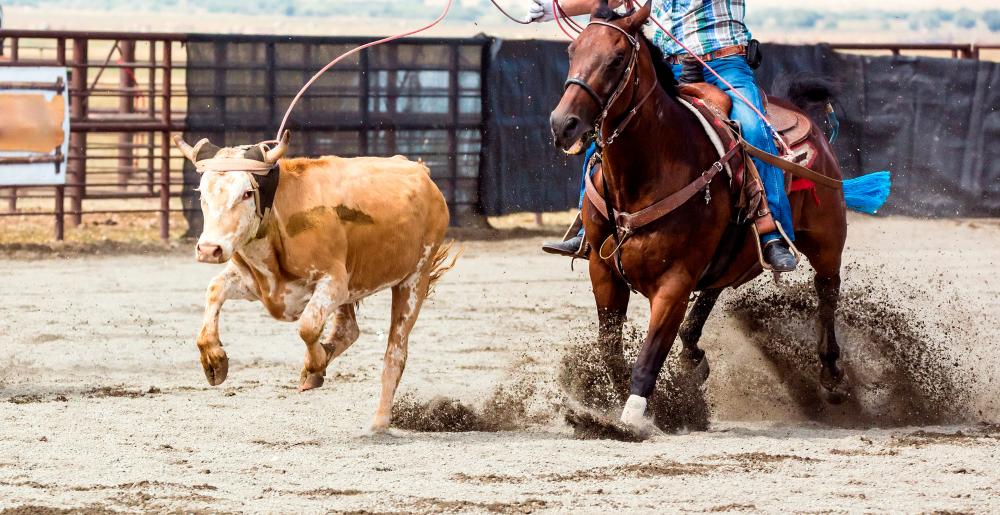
(539,11)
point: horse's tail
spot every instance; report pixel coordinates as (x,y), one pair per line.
(867,193)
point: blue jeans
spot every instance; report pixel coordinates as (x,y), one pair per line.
(735,70)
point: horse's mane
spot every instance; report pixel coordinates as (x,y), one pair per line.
(664,73)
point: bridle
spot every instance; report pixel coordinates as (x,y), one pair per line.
(605,106)
(623,82)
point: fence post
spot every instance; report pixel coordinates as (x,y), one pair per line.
(77,169)
(126,106)
(165,142)
(453,108)
(60,214)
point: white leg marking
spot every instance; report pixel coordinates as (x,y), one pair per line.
(634,411)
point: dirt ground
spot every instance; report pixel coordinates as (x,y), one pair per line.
(104,408)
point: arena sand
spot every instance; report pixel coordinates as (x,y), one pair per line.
(103,407)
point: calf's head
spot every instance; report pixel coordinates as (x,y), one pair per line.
(237,186)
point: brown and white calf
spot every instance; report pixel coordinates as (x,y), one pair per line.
(309,238)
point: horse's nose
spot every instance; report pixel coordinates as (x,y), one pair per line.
(208,253)
(565,129)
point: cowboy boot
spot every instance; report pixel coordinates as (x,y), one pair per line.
(573,243)
(779,256)
(572,247)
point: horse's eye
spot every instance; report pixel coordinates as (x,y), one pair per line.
(248,195)
(618,60)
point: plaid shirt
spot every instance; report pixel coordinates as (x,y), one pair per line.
(703,25)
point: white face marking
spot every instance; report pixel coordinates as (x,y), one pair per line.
(230,216)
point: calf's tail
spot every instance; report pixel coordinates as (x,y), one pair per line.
(441,264)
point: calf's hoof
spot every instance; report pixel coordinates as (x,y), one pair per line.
(311,380)
(381,423)
(216,370)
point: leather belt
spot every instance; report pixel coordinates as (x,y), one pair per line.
(718,54)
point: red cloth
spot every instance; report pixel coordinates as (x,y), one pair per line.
(799,184)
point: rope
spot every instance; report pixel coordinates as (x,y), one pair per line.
(505,13)
(332,63)
(557,12)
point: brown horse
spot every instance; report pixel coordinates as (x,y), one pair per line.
(660,149)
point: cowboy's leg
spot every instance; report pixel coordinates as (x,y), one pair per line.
(572,246)
(735,70)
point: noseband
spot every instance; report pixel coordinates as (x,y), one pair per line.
(622,84)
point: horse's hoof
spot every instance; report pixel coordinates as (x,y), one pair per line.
(697,370)
(834,390)
(216,373)
(313,380)
(633,414)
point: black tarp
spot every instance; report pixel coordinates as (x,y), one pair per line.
(929,121)
(522,169)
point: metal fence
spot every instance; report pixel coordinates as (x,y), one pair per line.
(421,98)
(129,92)
(125,100)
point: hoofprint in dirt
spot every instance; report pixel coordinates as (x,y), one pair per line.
(103,404)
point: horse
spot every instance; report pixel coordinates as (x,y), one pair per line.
(620,88)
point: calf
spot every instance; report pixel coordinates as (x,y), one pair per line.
(310,238)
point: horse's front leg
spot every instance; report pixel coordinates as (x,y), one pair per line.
(611,296)
(667,307)
(227,285)
(328,295)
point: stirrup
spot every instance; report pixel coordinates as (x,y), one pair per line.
(760,250)
(583,251)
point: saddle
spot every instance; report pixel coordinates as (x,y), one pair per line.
(793,126)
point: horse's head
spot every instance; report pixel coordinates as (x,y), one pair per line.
(237,185)
(600,59)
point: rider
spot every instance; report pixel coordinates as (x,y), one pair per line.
(713,29)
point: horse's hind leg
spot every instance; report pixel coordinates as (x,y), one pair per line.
(831,376)
(693,356)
